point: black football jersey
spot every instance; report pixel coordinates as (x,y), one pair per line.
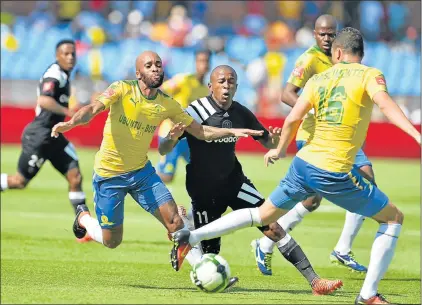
(216,160)
(54,83)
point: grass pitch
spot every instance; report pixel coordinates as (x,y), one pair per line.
(42,263)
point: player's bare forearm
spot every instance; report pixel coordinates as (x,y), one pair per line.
(289,95)
(166,146)
(395,115)
(287,135)
(50,104)
(214,133)
(208,133)
(86,113)
(292,123)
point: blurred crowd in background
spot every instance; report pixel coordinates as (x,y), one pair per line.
(260,39)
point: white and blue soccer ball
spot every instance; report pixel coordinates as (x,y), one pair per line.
(211,273)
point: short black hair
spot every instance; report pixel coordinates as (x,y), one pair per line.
(203,51)
(350,40)
(64,41)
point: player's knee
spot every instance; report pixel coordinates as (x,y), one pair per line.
(389,214)
(312,203)
(112,243)
(399,217)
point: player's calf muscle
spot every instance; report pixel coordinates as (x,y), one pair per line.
(74,177)
(168,216)
(274,232)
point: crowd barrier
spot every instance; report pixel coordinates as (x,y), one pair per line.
(383,140)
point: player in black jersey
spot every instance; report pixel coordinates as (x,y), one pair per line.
(215,179)
(37,143)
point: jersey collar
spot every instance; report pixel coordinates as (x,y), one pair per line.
(322,53)
(318,49)
(218,108)
(145,97)
(67,72)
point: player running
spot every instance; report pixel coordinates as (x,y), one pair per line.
(37,144)
(215,179)
(136,108)
(315,60)
(184,88)
(342,98)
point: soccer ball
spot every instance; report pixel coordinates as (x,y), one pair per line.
(211,273)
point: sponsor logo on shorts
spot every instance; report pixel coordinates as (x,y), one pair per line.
(105,222)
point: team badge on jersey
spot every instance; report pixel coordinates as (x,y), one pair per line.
(109,92)
(226,124)
(48,86)
(298,72)
(380,80)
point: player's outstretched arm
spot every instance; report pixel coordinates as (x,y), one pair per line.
(81,117)
(395,115)
(289,94)
(209,133)
(50,104)
(291,124)
(273,138)
(168,143)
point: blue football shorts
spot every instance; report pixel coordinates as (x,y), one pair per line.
(144,185)
(360,160)
(168,163)
(347,190)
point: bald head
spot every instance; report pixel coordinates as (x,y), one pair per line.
(326,21)
(221,70)
(145,57)
(223,84)
(149,69)
(325,32)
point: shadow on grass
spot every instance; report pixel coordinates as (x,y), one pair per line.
(241,290)
(391,279)
(403,280)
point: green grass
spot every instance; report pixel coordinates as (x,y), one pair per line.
(42,263)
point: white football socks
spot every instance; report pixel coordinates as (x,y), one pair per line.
(229,223)
(3,182)
(381,255)
(352,225)
(283,241)
(194,254)
(293,217)
(92,227)
(287,222)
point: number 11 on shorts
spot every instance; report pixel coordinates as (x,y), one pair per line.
(204,213)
